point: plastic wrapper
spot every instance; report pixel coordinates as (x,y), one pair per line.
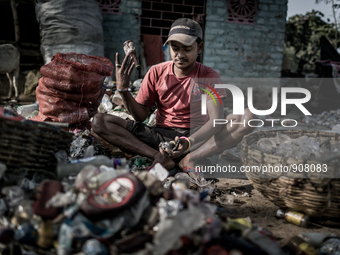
(266,145)
(62,199)
(201,181)
(281,139)
(23,212)
(105,105)
(308,149)
(122,115)
(84,177)
(27,184)
(225,199)
(170,230)
(77,147)
(167,182)
(159,171)
(187,196)
(168,208)
(117,98)
(330,246)
(286,150)
(15,195)
(27,110)
(94,247)
(65,239)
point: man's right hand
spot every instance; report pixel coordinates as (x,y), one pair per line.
(123,71)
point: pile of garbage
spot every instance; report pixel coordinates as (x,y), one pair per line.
(304,147)
(328,118)
(98,206)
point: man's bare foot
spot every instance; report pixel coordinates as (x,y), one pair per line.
(186,162)
(165,161)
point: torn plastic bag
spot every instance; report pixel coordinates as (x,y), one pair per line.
(14,195)
(65,27)
(62,199)
(170,230)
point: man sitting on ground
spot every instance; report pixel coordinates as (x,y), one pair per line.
(173,88)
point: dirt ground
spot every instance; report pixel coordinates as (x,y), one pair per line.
(263,211)
(257,207)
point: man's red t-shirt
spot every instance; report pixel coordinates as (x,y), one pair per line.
(178,100)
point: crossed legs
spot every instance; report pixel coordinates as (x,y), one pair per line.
(113,130)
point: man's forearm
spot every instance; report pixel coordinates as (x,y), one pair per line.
(204,133)
(138,111)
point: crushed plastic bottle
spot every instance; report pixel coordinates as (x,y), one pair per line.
(27,110)
(225,199)
(94,247)
(266,145)
(15,195)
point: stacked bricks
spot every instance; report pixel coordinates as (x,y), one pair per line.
(158,15)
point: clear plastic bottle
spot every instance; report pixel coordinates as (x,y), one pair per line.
(75,166)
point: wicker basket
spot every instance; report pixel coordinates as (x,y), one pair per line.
(313,194)
(31,145)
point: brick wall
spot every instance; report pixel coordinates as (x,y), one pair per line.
(121,27)
(243,50)
(158,15)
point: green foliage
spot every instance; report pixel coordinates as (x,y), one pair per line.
(303,34)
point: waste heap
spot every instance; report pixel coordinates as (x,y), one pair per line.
(71,88)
